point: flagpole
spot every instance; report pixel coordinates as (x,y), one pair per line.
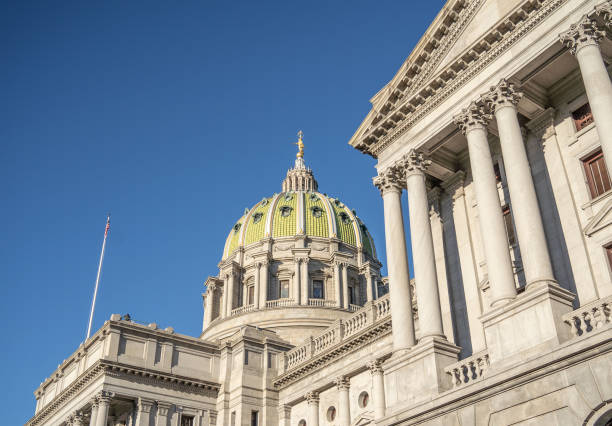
(93,302)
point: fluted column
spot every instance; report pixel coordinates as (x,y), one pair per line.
(304,280)
(344,403)
(583,40)
(345,291)
(378,388)
(390,186)
(312,399)
(423,256)
(143,418)
(93,418)
(296,282)
(263,291)
(257,289)
(104,399)
(472,122)
(337,284)
(527,218)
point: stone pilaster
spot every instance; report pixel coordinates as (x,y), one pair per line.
(378,388)
(344,404)
(143,418)
(312,399)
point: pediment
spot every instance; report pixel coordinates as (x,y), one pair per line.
(601,220)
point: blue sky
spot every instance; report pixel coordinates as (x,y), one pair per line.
(173,116)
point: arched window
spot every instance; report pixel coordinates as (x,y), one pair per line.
(363,400)
(302,422)
(331,414)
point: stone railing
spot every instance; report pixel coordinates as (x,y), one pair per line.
(468,370)
(321,302)
(243,309)
(354,308)
(279,303)
(590,317)
(340,331)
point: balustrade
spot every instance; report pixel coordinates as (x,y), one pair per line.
(321,302)
(243,309)
(279,303)
(590,317)
(468,370)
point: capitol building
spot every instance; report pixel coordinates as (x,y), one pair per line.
(498,129)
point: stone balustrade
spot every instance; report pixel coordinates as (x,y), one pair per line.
(590,317)
(321,303)
(280,303)
(364,317)
(354,308)
(243,309)
(468,370)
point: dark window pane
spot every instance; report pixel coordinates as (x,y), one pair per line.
(582,116)
(317,289)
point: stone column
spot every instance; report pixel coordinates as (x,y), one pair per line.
(256,297)
(162,413)
(104,399)
(472,122)
(344,403)
(378,388)
(389,184)
(296,282)
(583,40)
(424,258)
(345,292)
(527,218)
(143,418)
(231,282)
(263,291)
(337,284)
(312,399)
(369,285)
(304,281)
(208,309)
(94,412)
(77,419)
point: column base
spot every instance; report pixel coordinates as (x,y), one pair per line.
(529,324)
(417,374)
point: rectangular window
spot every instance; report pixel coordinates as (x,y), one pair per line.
(497,171)
(251,295)
(233,419)
(596,174)
(284,289)
(254,418)
(246,357)
(509,226)
(609,253)
(317,289)
(351,290)
(187,421)
(582,116)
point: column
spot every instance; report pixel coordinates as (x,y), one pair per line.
(209,303)
(256,297)
(583,40)
(263,291)
(344,403)
(162,413)
(312,399)
(94,412)
(223,307)
(296,282)
(143,418)
(345,291)
(424,258)
(104,399)
(212,417)
(527,218)
(304,281)
(369,285)
(378,388)
(77,419)
(229,294)
(337,284)
(389,184)
(284,415)
(472,122)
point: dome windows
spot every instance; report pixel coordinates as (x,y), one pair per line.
(344,217)
(237,227)
(288,197)
(285,210)
(257,217)
(313,197)
(316,211)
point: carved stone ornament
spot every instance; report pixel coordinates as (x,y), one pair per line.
(163,408)
(104,397)
(312,397)
(414,163)
(375,366)
(472,117)
(581,34)
(605,11)
(502,95)
(389,180)
(342,382)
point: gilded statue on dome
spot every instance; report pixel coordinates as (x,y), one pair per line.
(300,145)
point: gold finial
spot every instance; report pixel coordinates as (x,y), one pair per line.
(300,145)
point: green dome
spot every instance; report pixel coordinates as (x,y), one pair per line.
(294,213)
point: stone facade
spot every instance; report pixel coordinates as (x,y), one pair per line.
(497,128)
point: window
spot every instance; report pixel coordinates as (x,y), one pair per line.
(302,422)
(233,419)
(497,171)
(284,289)
(331,414)
(609,253)
(582,116)
(363,400)
(317,289)
(270,360)
(382,289)
(257,217)
(250,295)
(187,421)
(596,174)
(246,357)
(351,291)
(509,226)
(254,418)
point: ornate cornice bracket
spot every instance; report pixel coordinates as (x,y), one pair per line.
(584,33)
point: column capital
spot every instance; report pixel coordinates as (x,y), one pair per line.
(414,163)
(342,382)
(163,408)
(312,397)
(605,11)
(389,180)
(472,117)
(375,366)
(145,405)
(104,397)
(581,34)
(77,418)
(503,95)
(284,411)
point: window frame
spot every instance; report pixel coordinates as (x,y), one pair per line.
(596,157)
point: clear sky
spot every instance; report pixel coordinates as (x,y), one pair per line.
(173,116)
